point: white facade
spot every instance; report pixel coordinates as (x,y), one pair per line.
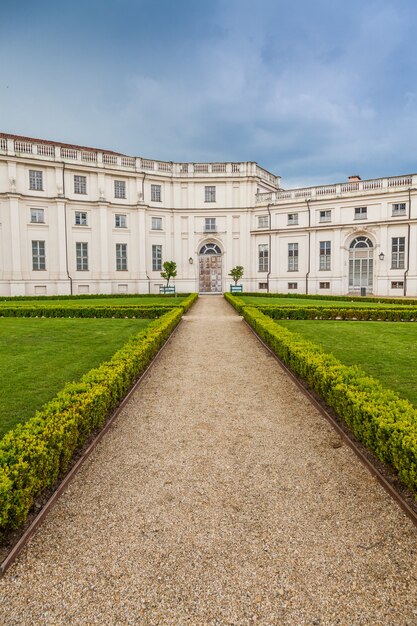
(80,220)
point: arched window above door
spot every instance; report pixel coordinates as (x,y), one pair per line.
(361,242)
(210,248)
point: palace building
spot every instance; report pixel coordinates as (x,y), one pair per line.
(77,220)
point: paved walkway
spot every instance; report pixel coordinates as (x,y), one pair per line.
(220,496)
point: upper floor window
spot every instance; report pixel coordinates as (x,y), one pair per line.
(210,224)
(398,208)
(120,189)
(398,253)
(361,213)
(210,194)
(157,223)
(120,221)
(121,257)
(263,221)
(81,253)
(325,216)
(292,219)
(325,254)
(80,218)
(263,257)
(37,216)
(156,193)
(293,257)
(38,255)
(80,184)
(36,180)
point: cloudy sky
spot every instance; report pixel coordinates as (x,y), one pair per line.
(313,90)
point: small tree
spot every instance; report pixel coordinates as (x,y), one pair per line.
(170,271)
(236,273)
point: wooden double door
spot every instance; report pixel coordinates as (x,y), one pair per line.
(210,273)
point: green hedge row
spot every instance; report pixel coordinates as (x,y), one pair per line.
(35,454)
(377,416)
(126,311)
(364,299)
(333,313)
(87,296)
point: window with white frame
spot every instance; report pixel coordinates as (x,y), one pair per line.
(293,257)
(120,189)
(325,216)
(37,216)
(80,184)
(292,219)
(210,225)
(81,218)
(81,254)
(399,208)
(120,220)
(121,257)
(156,258)
(209,193)
(157,223)
(262,285)
(325,255)
(36,180)
(38,255)
(361,213)
(325,285)
(397,284)
(397,253)
(263,257)
(263,221)
(156,193)
(292,285)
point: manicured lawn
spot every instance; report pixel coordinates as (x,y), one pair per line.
(38,356)
(262,301)
(385,350)
(134,301)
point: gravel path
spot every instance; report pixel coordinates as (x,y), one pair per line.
(220,496)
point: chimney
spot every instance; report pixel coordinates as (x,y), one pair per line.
(354,178)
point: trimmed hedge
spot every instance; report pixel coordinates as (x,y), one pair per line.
(364,299)
(323,313)
(385,423)
(35,454)
(94,296)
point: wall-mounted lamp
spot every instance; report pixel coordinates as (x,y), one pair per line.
(191,260)
(381,256)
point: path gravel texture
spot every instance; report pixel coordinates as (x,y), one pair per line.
(220,496)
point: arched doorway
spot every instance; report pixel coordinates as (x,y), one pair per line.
(361,264)
(210,277)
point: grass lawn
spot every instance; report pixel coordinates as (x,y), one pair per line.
(100,301)
(385,350)
(304,302)
(38,356)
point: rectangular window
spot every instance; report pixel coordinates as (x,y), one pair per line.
(156,258)
(325,255)
(120,189)
(38,255)
(120,221)
(398,253)
(361,213)
(156,193)
(81,252)
(263,221)
(262,285)
(210,194)
(157,223)
(35,180)
(292,219)
(292,285)
(325,216)
(121,257)
(293,257)
(263,257)
(399,208)
(80,218)
(37,216)
(80,184)
(397,284)
(210,225)
(324,285)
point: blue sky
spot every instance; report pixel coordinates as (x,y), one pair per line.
(313,90)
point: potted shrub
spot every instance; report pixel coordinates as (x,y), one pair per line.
(236,273)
